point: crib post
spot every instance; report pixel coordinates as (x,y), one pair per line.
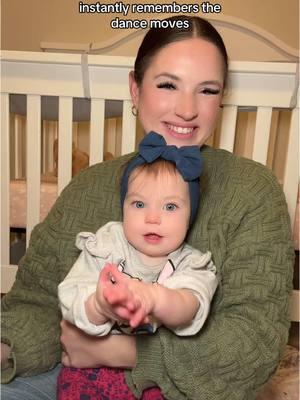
(65,142)
(228,125)
(97,131)
(291,177)
(5,172)
(33,162)
(128,128)
(262,134)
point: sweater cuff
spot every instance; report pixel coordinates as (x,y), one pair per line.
(149,365)
(150,370)
(8,373)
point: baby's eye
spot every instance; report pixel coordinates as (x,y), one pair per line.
(170,207)
(166,85)
(138,204)
(210,92)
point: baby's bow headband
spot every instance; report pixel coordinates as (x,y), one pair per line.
(187,159)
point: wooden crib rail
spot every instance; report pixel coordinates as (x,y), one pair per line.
(260,86)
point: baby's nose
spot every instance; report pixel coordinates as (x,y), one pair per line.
(153,217)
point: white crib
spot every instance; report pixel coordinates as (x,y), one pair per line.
(258,93)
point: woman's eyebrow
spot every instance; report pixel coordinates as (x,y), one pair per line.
(212,82)
(176,78)
(167,75)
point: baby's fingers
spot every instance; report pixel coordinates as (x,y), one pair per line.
(138,318)
(121,295)
(122,313)
(114,296)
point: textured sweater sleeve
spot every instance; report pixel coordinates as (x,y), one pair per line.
(197,273)
(240,344)
(30,314)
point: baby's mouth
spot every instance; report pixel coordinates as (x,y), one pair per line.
(152,237)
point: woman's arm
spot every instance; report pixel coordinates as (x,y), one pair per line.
(30,314)
(30,317)
(240,345)
(85,351)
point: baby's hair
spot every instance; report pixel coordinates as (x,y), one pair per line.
(157,168)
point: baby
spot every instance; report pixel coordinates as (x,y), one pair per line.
(136,275)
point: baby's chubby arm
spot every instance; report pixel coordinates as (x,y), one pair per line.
(134,301)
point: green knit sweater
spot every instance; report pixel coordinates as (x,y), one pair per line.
(242,220)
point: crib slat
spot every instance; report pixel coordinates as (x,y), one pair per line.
(97,130)
(262,134)
(291,177)
(228,125)
(33,162)
(5,172)
(128,128)
(65,111)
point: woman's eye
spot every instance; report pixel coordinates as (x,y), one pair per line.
(166,85)
(170,207)
(138,204)
(210,91)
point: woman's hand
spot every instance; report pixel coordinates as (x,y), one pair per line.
(85,351)
(5,351)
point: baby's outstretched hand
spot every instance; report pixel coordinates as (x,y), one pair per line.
(123,294)
(115,291)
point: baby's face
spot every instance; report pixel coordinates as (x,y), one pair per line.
(156,214)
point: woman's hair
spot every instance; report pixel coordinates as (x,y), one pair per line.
(158,38)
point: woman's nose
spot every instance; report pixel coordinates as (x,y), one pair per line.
(187,107)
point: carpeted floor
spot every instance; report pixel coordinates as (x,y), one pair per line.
(284,384)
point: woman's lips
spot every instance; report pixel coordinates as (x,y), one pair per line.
(180,131)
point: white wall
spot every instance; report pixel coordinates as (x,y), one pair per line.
(25,24)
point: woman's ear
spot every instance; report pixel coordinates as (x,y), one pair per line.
(134,89)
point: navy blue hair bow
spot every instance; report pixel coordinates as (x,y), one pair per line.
(187,159)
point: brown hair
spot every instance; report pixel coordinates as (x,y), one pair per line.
(157,38)
(156,168)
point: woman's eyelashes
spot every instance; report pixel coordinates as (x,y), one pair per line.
(210,91)
(172,86)
(166,85)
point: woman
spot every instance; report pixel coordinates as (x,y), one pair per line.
(176,89)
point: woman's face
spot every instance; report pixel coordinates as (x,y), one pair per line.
(181,92)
